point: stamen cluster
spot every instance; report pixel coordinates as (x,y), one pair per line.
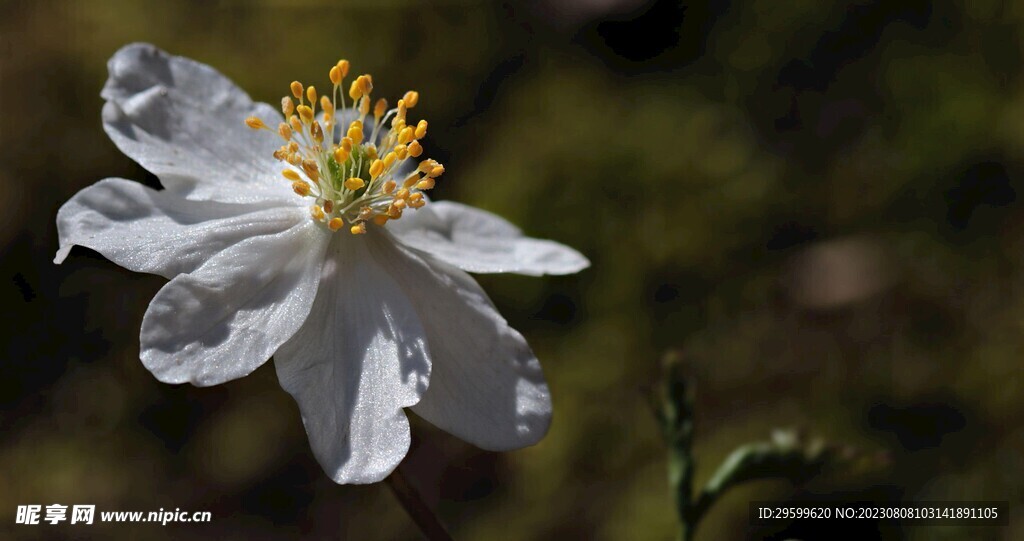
(351,181)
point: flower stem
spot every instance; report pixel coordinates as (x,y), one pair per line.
(412,501)
(675,412)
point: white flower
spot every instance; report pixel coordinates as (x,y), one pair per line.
(362,322)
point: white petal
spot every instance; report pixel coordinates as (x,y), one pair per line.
(226,318)
(487,386)
(144,230)
(478,241)
(185,122)
(359,359)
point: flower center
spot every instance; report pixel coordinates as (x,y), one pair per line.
(352,181)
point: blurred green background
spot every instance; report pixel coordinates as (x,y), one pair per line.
(817,202)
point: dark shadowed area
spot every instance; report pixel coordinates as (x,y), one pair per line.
(818,203)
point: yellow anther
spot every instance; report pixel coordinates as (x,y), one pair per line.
(317,213)
(255,123)
(354,183)
(309,147)
(355,132)
(411,98)
(415,149)
(406,135)
(310,169)
(355,90)
(301,187)
(340,155)
(327,106)
(376,168)
(400,115)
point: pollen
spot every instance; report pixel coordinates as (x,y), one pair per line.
(405,136)
(355,183)
(317,212)
(327,105)
(411,98)
(255,123)
(376,168)
(341,155)
(355,132)
(415,149)
(301,187)
(360,177)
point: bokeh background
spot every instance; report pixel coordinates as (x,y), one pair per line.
(818,203)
